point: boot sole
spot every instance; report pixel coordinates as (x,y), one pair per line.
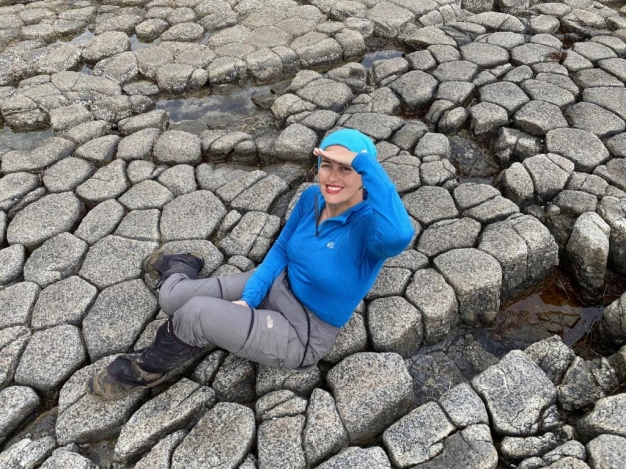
(148,263)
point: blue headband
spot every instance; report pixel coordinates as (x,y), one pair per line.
(351,139)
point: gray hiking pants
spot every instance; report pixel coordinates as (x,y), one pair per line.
(281,333)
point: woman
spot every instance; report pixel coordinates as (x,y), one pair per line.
(288,312)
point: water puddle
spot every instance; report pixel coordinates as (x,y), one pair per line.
(235,111)
(136,44)
(10,140)
(372,57)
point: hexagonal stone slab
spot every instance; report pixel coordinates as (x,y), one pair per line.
(371,390)
(11,263)
(549,174)
(430,204)
(606,451)
(192,216)
(445,235)
(15,186)
(161,416)
(16,304)
(43,219)
(145,195)
(100,221)
(117,318)
(19,403)
(463,406)
(355,457)
(62,459)
(394,326)
(13,340)
(505,94)
(107,183)
(477,279)
(56,259)
(516,392)
(161,454)
(323,434)
(51,356)
(176,147)
(581,147)
(64,302)
(280,443)
(115,259)
(605,418)
(83,417)
(415,89)
(222,438)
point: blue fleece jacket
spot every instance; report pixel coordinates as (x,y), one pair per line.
(331,272)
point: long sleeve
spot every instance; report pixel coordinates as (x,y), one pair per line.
(390,229)
(275,261)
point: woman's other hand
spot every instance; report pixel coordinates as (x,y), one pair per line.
(241,303)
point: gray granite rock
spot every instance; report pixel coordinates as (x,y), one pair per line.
(223,437)
(614,172)
(13,340)
(235,380)
(176,147)
(67,174)
(593,118)
(588,250)
(430,204)
(394,326)
(100,221)
(27,452)
(179,179)
(575,203)
(145,195)
(579,388)
(17,303)
(64,302)
(65,118)
(190,216)
(539,118)
(445,235)
(62,459)
(107,183)
(56,259)
(352,338)
(117,317)
(484,55)
(160,455)
(114,259)
(415,89)
(138,146)
(120,68)
(12,262)
(548,92)
(106,45)
(366,409)
(323,434)
(15,186)
(504,94)
(404,172)
(279,404)
(100,150)
(487,118)
(549,173)
(471,447)
(272,379)
(478,294)
(50,357)
(580,146)
(463,406)
(516,392)
(157,119)
(605,418)
(280,443)
(169,411)
(391,281)
(84,417)
(142,225)
(425,428)
(518,448)
(606,451)
(295,143)
(355,457)
(43,219)
(492,210)
(261,195)
(610,327)
(19,402)
(609,97)
(436,301)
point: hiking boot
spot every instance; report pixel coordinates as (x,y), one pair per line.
(110,387)
(146,368)
(159,264)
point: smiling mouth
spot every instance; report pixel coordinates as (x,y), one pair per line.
(333,189)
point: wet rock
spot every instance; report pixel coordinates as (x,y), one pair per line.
(183,32)
(436,301)
(222,437)
(100,221)
(549,173)
(120,68)
(56,259)
(478,295)
(107,183)
(352,338)
(156,119)
(394,326)
(324,433)
(425,428)
(366,410)
(19,402)
(50,357)
(516,392)
(114,259)
(606,451)
(189,216)
(226,70)
(605,418)
(161,454)
(169,411)
(124,308)
(610,326)
(83,417)
(415,89)
(234,381)
(66,301)
(106,45)
(44,219)
(49,152)
(295,143)
(588,250)
(463,406)
(272,379)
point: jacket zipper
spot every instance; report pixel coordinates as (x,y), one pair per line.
(317,216)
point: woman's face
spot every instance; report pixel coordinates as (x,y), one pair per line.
(341,186)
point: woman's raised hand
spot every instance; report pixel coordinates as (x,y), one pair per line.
(336,153)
